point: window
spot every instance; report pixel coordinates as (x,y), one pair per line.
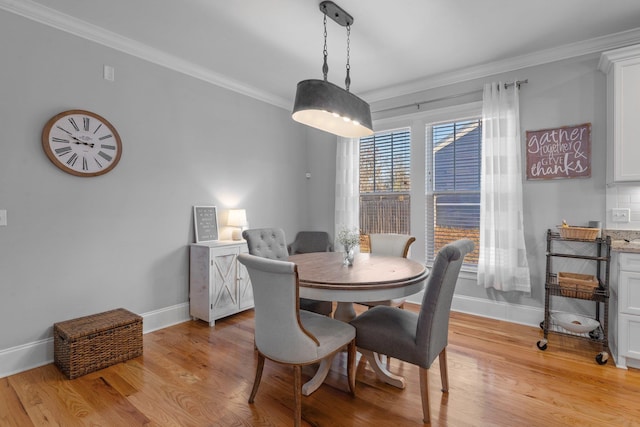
(453,185)
(385,183)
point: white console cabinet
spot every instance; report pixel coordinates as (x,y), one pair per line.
(625,325)
(218,284)
(622,67)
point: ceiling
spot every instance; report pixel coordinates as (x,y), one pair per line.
(264,47)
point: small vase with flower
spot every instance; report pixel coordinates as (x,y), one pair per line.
(349,239)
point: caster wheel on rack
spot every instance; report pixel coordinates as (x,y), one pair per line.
(602,358)
(542,345)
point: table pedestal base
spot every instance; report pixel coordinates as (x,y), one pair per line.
(344,312)
(374,360)
(381,371)
(319,377)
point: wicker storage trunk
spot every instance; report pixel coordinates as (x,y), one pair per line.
(90,343)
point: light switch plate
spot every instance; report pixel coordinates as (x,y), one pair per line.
(3,217)
(109,73)
(620,214)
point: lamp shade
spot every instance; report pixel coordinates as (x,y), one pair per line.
(237,218)
(325,106)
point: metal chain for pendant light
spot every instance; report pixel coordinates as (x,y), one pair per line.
(347,80)
(325,66)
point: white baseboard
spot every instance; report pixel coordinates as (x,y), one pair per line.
(38,353)
(631,363)
(165,317)
(514,313)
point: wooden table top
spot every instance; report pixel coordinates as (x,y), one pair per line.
(325,270)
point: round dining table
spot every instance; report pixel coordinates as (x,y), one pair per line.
(323,276)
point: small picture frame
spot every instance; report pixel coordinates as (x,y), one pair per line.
(205,220)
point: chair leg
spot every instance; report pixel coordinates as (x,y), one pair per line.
(424,391)
(444,375)
(297,391)
(351,366)
(256,381)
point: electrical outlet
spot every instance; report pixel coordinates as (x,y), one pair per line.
(3,217)
(620,215)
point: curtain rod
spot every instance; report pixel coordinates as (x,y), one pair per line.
(515,83)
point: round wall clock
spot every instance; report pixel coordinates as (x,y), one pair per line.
(81,143)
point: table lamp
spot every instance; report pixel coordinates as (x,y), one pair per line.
(238,219)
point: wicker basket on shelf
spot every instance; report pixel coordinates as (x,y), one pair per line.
(578,233)
(575,284)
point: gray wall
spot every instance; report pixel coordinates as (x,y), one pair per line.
(75,246)
(321,164)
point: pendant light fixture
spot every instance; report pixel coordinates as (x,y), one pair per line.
(328,107)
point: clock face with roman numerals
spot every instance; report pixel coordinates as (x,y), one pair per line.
(81,143)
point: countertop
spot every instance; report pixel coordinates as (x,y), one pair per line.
(624,240)
(623,246)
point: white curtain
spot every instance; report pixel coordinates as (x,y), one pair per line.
(503,261)
(347,186)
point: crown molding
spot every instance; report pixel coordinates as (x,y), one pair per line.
(63,22)
(53,18)
(567,51)
(608,58)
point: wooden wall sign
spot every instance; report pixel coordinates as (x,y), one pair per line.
(558,153)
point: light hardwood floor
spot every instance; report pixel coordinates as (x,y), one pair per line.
(194,375)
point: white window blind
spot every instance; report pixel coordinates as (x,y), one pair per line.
(385,162)
(453,184)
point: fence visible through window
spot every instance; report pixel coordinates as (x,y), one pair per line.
(456,217)
(384,213)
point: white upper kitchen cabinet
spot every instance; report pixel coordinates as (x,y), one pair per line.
(622,67)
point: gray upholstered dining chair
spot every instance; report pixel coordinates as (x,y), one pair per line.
(417,338)
(310,241)
(390,244)
(288,335)
(271,243)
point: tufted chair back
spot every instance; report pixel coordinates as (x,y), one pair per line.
(271,243)
(267,243)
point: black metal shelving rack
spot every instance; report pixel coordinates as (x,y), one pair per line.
(600,294)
